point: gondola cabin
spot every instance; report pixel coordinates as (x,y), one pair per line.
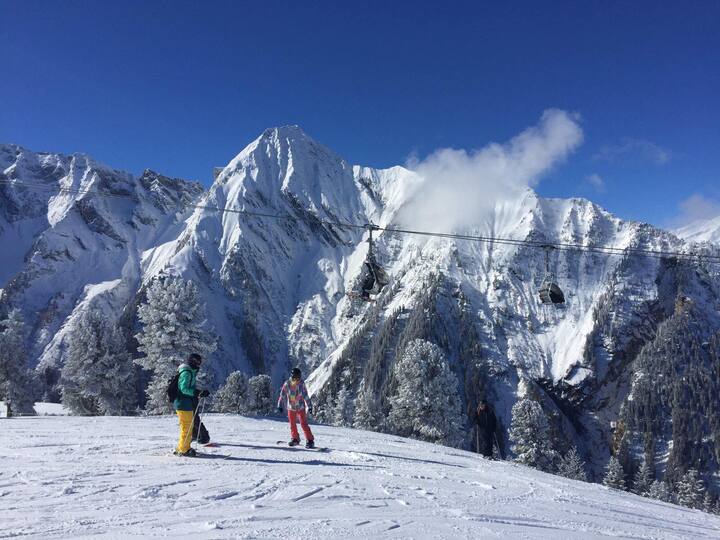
(550,293)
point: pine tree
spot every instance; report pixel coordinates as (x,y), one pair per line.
(572,466)
(643,480)
(172,319)
(425,403)
(690,490)
(529,434)
(260,401)
(659,490)
(342,407)
(16,381)
(232,397)
(98,376)
(709,503)
(367,412)
(614,474)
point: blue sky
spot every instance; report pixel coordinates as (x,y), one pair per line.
(180,87)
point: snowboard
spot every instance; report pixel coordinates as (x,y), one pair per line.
(302,447)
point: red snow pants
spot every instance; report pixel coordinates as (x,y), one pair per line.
(293,417)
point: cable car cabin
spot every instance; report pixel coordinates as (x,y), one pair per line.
(371,282)
(373,277)
(551,294)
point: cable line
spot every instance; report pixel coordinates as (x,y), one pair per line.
(561,246)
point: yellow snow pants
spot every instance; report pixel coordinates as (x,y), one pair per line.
(186,421)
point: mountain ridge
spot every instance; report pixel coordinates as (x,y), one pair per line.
(276,287)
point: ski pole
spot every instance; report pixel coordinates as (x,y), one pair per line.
(498,446)
(192,424)
(202,410)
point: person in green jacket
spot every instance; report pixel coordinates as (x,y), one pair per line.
(186,402)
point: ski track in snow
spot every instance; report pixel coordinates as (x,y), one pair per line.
(67,477)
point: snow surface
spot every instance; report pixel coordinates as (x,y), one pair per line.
(41,408)
(50,409)
(67,477)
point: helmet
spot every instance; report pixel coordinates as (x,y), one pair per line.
(296,373)
(194,360)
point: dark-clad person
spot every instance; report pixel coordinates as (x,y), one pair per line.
(485,424)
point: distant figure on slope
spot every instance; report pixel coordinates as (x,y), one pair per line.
(485,424)
(186,403)
(296,398)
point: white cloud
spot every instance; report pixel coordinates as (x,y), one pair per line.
(597,182)
(634,149)
(459,186)
(697,207)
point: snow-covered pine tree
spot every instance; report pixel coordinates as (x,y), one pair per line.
(690,490)
(98,376)
(260,401)
(709,502)
(643,480)
(529,434)
(659,490)
(572,466)
(614,474)
(16,382)
(367,413)
(83,351)
(172,320)
(232,397)
(341,414)
(425,404)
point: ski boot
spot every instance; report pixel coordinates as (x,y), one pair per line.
(310,444)
(294,442)
(189,453)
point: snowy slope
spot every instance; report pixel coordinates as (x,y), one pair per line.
(705,230)
(112,477)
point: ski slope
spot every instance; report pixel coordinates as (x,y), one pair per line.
(113,477)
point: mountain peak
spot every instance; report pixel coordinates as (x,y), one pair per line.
(281,151)
(291,130)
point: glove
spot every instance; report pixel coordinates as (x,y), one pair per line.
(203,393)
(280,410)
(309,410)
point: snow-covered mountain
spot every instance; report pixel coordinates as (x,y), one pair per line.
(276,287)
(64,247)
(703,230)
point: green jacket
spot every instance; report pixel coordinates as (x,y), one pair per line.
(186,400)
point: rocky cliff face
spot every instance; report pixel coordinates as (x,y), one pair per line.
(74,232)
(274,271)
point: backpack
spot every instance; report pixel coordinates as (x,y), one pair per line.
(172,386)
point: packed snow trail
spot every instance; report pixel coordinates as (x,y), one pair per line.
(67,477)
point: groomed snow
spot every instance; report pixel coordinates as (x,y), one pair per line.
(50,409)
(68,477)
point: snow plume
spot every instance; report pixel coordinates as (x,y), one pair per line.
(696,208)
(459,187)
